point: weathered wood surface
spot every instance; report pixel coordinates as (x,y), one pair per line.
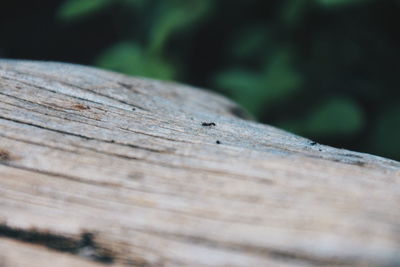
(99,168)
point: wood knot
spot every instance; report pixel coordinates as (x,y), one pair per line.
(5,155)
(80,107)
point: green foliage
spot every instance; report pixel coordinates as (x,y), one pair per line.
(75,9)
(245,85)
(143,55)
(293,12)
(312,67)
(387,133)
(129,58)
(249,43)
(254,90)
(335,117)
(174,16)
(332,117)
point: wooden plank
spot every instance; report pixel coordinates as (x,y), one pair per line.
(162,174)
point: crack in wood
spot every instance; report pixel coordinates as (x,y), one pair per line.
(84,246)
(73,96)
(282,255)
(92,138)
(97,126)
(62,109)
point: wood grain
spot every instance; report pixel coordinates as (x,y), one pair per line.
(102,169)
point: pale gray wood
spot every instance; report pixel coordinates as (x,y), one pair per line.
(128,162)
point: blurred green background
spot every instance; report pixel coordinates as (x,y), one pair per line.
(324,69)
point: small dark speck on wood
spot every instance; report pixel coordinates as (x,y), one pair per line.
(208,124)
(218,142)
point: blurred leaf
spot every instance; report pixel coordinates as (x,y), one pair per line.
(74,9)
(175,15)
(130,58)
(385,138)
(337,116)
(250,42)
(293,11)
(256,90)
(280,78)
(245,87)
